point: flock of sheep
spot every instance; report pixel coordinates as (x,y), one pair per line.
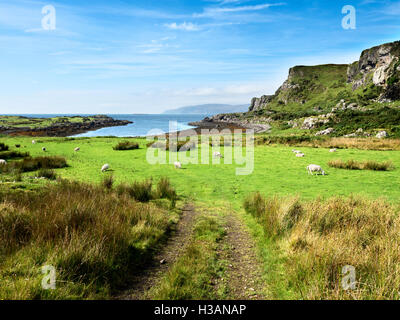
(312,167)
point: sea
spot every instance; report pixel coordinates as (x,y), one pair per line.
(143,124)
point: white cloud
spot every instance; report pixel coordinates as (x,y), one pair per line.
(183,26)
(212,11)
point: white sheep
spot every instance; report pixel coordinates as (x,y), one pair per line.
(333,150)
(315,168)
(77,149)
(296,151)
(3,162)
(105,167)
(33,142)
(217,155)
(178,165)
(44,149)
(300,155)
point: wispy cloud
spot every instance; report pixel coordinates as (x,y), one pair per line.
(182,26)
(212,11)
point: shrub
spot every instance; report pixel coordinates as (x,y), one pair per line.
(18,146)
(173,145)
(126,145)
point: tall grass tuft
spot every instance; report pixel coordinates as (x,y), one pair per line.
(94,239)
(165,189)
(107,182)
(47,174)
(126,145)
(366,165)
(321,237)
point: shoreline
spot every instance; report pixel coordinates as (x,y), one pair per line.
(59,126)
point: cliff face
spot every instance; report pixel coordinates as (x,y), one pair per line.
(376,76)
(378,66)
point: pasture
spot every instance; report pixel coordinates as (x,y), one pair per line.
(276,170)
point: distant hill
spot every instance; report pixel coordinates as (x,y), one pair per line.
(210,109)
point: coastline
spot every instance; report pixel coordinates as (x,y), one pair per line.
(58,127)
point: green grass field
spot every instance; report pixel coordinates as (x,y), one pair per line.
(276,170)
(217,188)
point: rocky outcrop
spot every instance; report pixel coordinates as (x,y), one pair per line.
(260,103)
(378,66)
(65,128)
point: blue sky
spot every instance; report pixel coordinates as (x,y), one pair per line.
(149,56)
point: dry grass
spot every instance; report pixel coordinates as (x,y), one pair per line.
(357,143)
(320,237)
(325,142)
(94,239)
(365,165)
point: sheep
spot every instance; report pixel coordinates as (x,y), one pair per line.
(33,142)
(3,162)
(300,155)
(333,150)
(105,167)
(315,168)
(296,151)
(44,149)
(77,149)
(178,165)
(217,155)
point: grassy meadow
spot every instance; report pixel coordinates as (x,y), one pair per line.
(277,174)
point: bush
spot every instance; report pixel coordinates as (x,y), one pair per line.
(126,145)
(173,145)
(18,146)
(366,165)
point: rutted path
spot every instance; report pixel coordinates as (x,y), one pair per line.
(244,277)
(164,259)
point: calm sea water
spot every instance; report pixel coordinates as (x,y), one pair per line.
(141,126)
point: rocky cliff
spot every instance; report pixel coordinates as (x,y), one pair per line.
(376,76)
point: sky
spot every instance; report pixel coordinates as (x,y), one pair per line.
(149,56)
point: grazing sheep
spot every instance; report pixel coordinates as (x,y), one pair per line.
(77,149)
(333,150)
(178,165)
(105,167)
(296,151)
(300,155)
(44,149)
(33,142)
(217,155)
(3,162)
(315,168)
